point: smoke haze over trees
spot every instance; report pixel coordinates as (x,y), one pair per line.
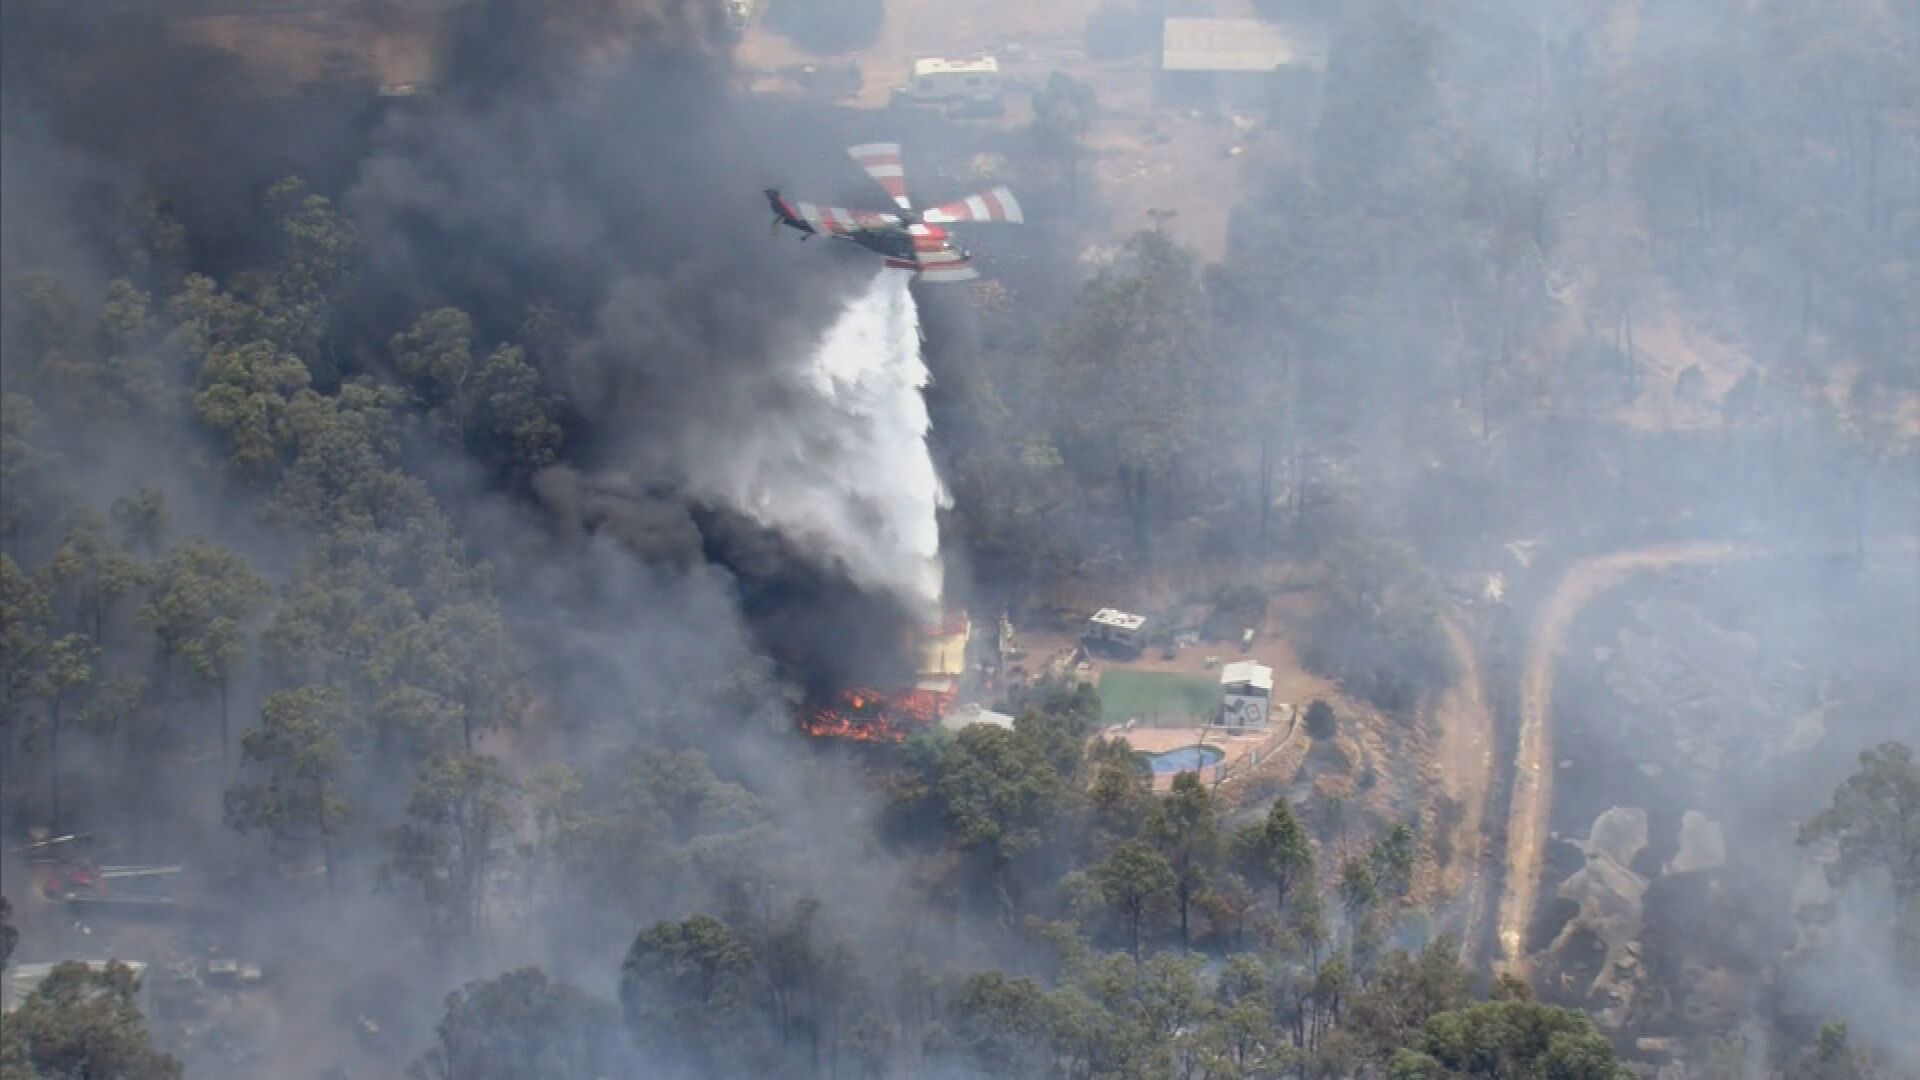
(372,541)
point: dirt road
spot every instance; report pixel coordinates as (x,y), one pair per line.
(1466,766)
(1533,776)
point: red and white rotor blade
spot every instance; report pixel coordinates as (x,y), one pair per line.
(839,219)
(996,205)
(882,162)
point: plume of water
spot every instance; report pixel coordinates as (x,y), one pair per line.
(856,481)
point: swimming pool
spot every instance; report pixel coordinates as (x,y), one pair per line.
(1184,759)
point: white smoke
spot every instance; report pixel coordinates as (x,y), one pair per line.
(861,485)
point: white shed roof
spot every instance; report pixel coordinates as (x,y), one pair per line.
(1117,618)
(968,715)
(1192,44)
(1246,672)
(939,65)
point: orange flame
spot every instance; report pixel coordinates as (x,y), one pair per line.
(865,714)
(868,715)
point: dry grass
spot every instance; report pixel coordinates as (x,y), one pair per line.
(290,48)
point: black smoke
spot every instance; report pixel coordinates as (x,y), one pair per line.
(581,178)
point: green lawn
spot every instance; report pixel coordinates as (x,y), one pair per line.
(1156,696)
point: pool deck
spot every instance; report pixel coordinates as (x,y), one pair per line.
(1240,750)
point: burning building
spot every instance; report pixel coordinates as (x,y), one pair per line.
(868,714)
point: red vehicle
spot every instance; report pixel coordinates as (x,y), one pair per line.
(62,873)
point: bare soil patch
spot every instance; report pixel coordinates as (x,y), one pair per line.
(291,48)
(1533,777)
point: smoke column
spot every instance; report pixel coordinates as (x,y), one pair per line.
(861,485)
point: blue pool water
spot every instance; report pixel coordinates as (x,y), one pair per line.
(1184,759)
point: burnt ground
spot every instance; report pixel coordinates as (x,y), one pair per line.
(1743,692)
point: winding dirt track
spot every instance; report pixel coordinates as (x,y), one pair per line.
(1466,764)
(1532,768)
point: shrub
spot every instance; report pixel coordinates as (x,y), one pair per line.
(1322,723)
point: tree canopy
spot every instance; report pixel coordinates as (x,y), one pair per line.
(82,1022)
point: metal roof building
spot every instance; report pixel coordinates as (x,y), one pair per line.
(1246,695)
(1257,677)
(1212,45)
(929,66)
